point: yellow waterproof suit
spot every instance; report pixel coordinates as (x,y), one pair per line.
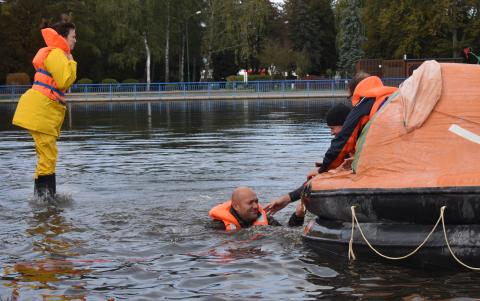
(41,109)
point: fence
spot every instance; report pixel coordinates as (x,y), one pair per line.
(199,90)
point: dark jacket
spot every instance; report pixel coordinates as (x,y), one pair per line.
(337,145)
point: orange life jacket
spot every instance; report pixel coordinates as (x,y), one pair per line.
(222,212)
(349,147)
(370,87)
(380,94)
(43,80)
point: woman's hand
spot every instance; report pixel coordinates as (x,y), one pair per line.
(69,57)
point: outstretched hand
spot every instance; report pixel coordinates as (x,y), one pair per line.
(312,174)
(300,210)
(347,164)
(277,204)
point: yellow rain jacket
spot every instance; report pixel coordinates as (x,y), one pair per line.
(35,110)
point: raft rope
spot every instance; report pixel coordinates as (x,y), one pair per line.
(441,218)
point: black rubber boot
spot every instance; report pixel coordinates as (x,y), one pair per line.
(40,186)
(45,186)
(35,187)
(52,185)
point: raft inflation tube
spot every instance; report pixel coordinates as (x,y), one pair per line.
(416,170)
(332,238)
(412,205)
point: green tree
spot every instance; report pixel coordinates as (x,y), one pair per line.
(279,58)
(303,65)
(371,13)
(312,29)
(20,35)
(350,36)
(234,28)
(119,22)
(20,21)
(420,29)
(459,24)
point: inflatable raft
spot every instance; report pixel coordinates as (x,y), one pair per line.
(419,153)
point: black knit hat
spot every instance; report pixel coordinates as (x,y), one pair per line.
(337,114)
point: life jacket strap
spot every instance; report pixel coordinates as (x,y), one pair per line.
(40,70)
(49,87)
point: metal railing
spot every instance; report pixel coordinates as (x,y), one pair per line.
(199,90)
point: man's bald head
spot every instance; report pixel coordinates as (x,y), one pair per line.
(242,192)
(245,202)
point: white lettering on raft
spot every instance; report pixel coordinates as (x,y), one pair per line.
(466,134)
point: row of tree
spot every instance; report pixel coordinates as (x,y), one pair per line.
(166,40)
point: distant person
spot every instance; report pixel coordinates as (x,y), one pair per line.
(242,211)
(335,118)
(41,110)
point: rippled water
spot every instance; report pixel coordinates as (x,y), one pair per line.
(136,182)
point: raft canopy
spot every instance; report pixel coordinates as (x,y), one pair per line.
(426,135)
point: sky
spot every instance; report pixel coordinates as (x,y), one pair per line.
(277,1)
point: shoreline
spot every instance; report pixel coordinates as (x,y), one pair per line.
(118,97)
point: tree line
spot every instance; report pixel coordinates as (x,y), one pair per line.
(166,40)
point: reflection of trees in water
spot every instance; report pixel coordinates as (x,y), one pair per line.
(46,227)
(190,117)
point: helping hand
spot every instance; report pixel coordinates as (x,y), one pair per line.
(277,204)
(300,210)
(312,174)
(347,164)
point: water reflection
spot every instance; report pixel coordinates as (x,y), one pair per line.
(47,227)
(56,265)
(179,116)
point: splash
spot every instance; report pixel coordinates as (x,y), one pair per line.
(60,200)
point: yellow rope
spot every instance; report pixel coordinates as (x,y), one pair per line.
(355,221)
(351,254)
(448,244)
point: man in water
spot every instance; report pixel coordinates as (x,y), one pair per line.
(244,211)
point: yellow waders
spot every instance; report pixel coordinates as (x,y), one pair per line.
(46,148)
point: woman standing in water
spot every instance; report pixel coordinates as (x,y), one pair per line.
(41,110)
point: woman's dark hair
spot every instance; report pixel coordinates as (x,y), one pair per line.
(62,28)
(356,80)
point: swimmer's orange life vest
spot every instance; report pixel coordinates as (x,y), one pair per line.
(43,80)
(222,212)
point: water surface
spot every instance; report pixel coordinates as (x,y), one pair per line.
(136,182)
